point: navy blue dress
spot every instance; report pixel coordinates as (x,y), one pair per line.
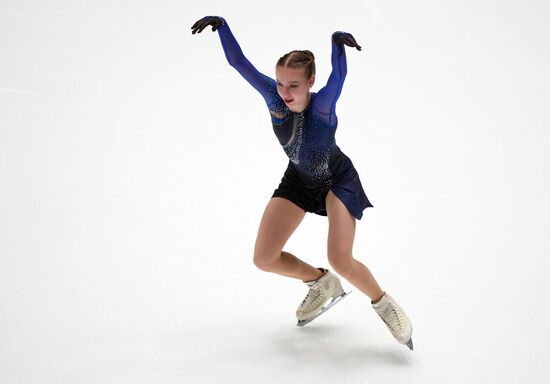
(316,164)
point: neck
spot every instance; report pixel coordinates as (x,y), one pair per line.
(308,98)
(306,103)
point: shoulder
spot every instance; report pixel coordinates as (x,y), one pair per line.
(315,104)
(278,110)
(277,114)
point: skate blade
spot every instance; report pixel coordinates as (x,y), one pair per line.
(334,301)
(409,344)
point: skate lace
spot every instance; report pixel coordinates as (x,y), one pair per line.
(313,297)
(393,318)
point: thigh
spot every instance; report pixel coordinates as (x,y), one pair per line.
(341,231)
(280,219)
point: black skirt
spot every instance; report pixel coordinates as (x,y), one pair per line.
(311,196)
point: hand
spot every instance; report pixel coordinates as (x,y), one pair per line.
(341,38)
(214,21)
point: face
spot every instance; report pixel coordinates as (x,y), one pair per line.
(293,87)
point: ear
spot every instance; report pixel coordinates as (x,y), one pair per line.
(311,81)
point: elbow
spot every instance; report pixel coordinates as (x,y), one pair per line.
(234,62)
(342,73)
(231,59)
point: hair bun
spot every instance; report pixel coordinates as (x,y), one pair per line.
(309,54)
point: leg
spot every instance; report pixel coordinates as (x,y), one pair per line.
(280,219)
(339,248)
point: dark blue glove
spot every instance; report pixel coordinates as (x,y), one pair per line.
(214,21)
(341,38)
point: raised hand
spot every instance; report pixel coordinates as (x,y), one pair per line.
(214,21)
(341,38)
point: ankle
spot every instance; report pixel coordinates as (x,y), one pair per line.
(318,276)
(377,300)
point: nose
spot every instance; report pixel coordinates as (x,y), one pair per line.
(285,94)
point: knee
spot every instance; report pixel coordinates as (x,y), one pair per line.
(264,261)
(341,263)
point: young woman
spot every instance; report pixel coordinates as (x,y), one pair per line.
(319,178)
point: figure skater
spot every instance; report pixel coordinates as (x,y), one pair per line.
(319,179)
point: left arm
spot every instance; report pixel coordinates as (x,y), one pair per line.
(328,95)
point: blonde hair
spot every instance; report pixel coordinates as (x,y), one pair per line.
(299,59)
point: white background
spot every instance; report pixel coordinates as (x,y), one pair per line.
(135,165)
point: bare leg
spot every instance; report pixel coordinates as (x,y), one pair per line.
(289,265)
(339,246)
(361,277)
(279,221)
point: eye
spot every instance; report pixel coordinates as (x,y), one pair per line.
(292,86)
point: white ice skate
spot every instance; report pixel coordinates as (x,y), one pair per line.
(395,318)
(325,288)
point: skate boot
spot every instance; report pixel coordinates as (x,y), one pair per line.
(395,318)
(323,289)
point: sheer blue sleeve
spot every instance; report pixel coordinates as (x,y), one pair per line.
(262,83)
(325,101)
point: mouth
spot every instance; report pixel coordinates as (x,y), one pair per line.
(288,101)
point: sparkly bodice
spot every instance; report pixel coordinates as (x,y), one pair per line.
(307,137)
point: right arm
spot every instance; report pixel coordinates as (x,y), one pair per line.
(265,85)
